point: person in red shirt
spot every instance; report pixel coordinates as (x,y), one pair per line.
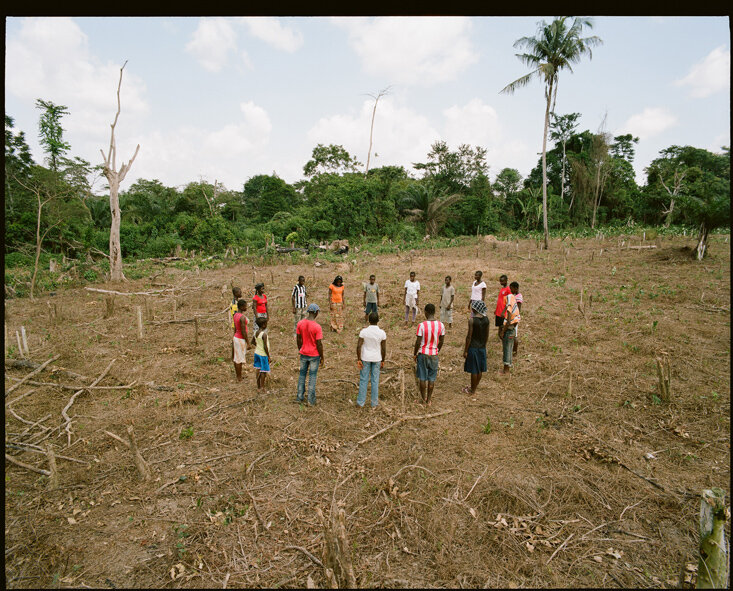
(309,335)
(428,343)
(241,336)
(500,301)
(259,302)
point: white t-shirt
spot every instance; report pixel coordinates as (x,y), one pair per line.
(412,287)
(373,336)
(476,290)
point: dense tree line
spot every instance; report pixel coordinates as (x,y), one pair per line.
(590,182)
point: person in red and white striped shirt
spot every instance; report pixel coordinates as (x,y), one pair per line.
(428,342)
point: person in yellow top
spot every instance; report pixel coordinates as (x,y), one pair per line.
(337,300)
(508,329)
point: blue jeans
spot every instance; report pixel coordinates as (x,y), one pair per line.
(308,365)
(371,368)
(508,344)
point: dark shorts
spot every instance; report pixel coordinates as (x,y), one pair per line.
(499,320)
(370,307)
(476,360)
(427,367)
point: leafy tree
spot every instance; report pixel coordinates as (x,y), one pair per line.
(507,183)
(562,128)
(50,132)
(453,172)
(330,159)
(623,147)
(427,205)
(555,47)
(265,195)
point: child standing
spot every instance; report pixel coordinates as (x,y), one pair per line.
(412,292)
(447,295)
(262,352)
(500,301)
(241,336)
(478,291)
(514,286)
(259,302)
(337,299)
(371,297)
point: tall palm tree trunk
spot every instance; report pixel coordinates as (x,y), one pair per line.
(544,168)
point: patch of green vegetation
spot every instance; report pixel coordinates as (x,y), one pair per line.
(487,427)
(186,433)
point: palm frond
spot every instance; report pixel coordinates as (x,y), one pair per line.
(519,82)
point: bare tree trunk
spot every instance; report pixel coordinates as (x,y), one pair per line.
(544,168)
(115,177)
(596,199)
(371,130)
(669,212)
(562,178)
(38,247)
(702,242)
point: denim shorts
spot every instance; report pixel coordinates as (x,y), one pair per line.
(427,367)
(370,307)
(475,361)
(262,362)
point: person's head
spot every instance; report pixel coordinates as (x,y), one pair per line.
(338,280)
(478,307)
(262,322)
(313,310)
(237,292)
(412,275)
(477,275)
(503,280)
(301,280)
(429,310)
(373,318)
(447,280)
(372,278)
(514,286)
(241,304)
(260,288)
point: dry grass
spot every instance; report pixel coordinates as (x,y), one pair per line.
(558,494)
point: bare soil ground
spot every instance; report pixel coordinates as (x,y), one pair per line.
(570,474)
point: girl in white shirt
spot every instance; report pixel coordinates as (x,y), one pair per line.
(478,291)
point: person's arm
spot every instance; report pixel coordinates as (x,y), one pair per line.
(343,297)
(319,347)
(299,340)
(417,294)
(383,348)
(519,306)
(267,309)
(292,300)
(440,342)
(483,293)
(243,325)
(359,343)
(468,337)
(416,348)
(266,343)
(377,296)
(452,297)
(254,338)
(365,291)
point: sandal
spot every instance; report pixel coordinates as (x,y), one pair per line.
(467,390)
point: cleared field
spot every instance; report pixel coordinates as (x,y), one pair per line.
(572,473)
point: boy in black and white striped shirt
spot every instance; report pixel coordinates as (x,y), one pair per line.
(298,300)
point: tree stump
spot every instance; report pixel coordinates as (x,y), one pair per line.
(712,569)
(140,463)
(109,301)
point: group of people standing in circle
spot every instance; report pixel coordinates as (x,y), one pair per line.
(371,348)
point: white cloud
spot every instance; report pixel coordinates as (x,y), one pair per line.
(49,58)
(227,154)
(212,41)
(710,75)
(650,122)
(271,31)
(475,123)
(412,50)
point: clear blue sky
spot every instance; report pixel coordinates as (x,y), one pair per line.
(228,98)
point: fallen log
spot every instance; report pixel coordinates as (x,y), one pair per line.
(38,369)
(402,420)
(67,425)
(33,365)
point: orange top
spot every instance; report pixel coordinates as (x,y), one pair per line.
(337,293)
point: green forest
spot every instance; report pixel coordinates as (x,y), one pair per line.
(53,210)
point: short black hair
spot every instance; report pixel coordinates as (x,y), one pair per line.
(514,284)
(448,277)
(429,309)
(480,273)
(373,318)
(242,304)
(301,277)
(503,277)
(413,273)
(236,290)
(372,275)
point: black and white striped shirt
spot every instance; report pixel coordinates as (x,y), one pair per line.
(299,294)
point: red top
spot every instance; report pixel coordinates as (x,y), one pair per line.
(260,303)
(500,301)
(430,331)
(311,332)
(238,325)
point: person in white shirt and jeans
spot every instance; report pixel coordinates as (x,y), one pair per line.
(371,350)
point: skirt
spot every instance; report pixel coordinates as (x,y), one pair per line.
(240,350)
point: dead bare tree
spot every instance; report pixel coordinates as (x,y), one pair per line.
(380,94)
(115,177)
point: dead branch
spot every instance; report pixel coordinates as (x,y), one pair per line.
(39,369)
(7,404)
(474,484)
(140,463)
(257,459)
(12,460)
(122,441)
(38,450)
(67,425)
(403,419)
(75,387)
(128,293)
(53,481)
(32,365)
(257,512)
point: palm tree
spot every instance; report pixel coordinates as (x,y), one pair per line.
(424,203)
(554,48)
